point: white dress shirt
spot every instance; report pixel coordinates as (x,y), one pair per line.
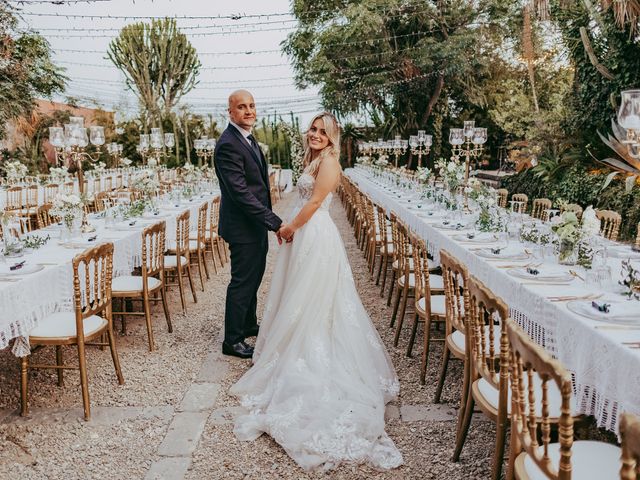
(244,132)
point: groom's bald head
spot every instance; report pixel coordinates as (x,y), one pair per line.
(242,109)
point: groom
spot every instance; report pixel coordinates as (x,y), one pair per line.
(245,218)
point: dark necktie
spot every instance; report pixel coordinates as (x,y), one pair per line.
(256,148)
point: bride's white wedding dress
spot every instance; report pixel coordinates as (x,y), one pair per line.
(321,375)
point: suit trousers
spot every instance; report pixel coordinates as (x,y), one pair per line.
(248,262)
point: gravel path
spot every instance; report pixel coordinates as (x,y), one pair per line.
(173,418)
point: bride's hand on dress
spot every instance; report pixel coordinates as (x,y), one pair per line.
(286,232)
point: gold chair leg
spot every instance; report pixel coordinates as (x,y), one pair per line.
(114,353)
(181,290)
(425,350)
(461,434)
(193,290)
(396,303)
(218,248)
(165,307)
(498,454)
(147,318)
(199,267)
(391,287)
(24,385)
(84,381)
(202,257)
(59,363)
(446,355)
(414,330)
(400,318)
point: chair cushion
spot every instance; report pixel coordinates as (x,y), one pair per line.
(129,283)
(436,282)
(63,325)
(554,397)
(459,339)
(589,461)
(437,304)
(193,245)
(171,262)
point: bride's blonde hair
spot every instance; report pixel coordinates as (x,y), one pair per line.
(332,130)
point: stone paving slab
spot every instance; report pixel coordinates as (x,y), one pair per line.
(100,416)
(169,468)
(214,369)
(429,413)
(200,397)
(183,434)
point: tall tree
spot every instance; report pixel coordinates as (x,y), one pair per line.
(159,63)
(394,59)
(26,69)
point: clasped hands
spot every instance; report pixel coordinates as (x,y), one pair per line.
(285,233)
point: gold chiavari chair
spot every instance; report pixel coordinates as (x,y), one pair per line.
(102,201)
(273,187)
(14,201)
(393,220)
(50,192)
(541,396)
(372,236)
(429,302)
(178,263)
(456,279)
(503,194)
(637,245)
(572,207)
(488,362)
(44,217)
(630,435)
(609,223)
(118,181)
(539,208)
(523,200)
(97,185)
(403,287)
(386,247)
(69,187)
(197,244)
(108,183)
(31,206)
(213,242)
(152,282)
(91,318)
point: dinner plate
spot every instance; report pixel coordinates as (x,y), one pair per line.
(26,269)
(151,216)
(620,311)
(623,251)
(478,238)
(503,255)
(542,276)
(450,226)
(126,225)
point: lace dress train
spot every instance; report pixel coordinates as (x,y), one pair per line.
(321,375)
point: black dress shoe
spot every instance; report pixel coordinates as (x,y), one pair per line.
(253,332)
(239,349)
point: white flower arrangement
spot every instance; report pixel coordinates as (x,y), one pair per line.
(99,167)
(423,174)
(126,162)
(590,222)
(190,174)
(147,183)
(296,152)
(152,162)
(15,170)
(382,161)
(58,174)
(265,148)
(364,160)
(452,173)
(68,207)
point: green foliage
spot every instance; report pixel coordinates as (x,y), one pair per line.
(26,70)
(578,185)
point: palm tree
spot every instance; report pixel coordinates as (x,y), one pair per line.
(350,136)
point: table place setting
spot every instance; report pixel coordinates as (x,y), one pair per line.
(547,274)
(608,310)
(476,237)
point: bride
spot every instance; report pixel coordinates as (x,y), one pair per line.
(321,376)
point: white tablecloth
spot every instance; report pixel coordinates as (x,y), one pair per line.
(607,374)
(286,180)
(25,302)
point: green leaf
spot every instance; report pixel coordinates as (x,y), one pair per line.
(607,181)
(630,182)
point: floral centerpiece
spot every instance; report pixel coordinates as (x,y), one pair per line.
(99,168)
(569,233)
(125,161)
(630,279)
(69,208)
(190,176)
(147,183)
(489,219)
(15,171)
(382,161)
(152,162)
(423,174)
(364,160)
(11,244)
(452,173)
(58,174)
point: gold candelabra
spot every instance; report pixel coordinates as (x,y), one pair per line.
(467,142)
(420,145)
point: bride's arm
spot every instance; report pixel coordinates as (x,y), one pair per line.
(326,182)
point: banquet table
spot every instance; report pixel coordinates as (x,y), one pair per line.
(26,299)
(606,373)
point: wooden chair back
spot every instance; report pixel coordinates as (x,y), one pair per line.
(531,419)
(609,223)
(489,347)
(421,270)
(153,248)
(31,200)
(97,185)
(503,194)
(108,183)
(44,217)
(214,216)
(455,277)
(630,433)
(92,274)
(182,235)
(68,187)
(50,192)
(638,238)
(118,181)
(523,200)
(381,219)
(203,211)
(14,199)
(539,208)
